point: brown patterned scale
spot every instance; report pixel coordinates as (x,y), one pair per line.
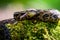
(44,15)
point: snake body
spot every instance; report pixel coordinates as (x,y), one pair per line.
(44,15)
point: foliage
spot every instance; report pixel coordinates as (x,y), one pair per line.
(37,4)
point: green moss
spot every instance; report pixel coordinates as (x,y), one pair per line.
(34,30)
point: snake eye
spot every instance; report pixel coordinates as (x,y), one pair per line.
(45,17)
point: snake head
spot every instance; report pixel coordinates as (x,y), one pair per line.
(55,15)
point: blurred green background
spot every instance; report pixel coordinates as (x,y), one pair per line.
(37,4)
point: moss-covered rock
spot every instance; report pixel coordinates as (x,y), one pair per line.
(34,30)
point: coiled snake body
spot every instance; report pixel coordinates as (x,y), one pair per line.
(44,15)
